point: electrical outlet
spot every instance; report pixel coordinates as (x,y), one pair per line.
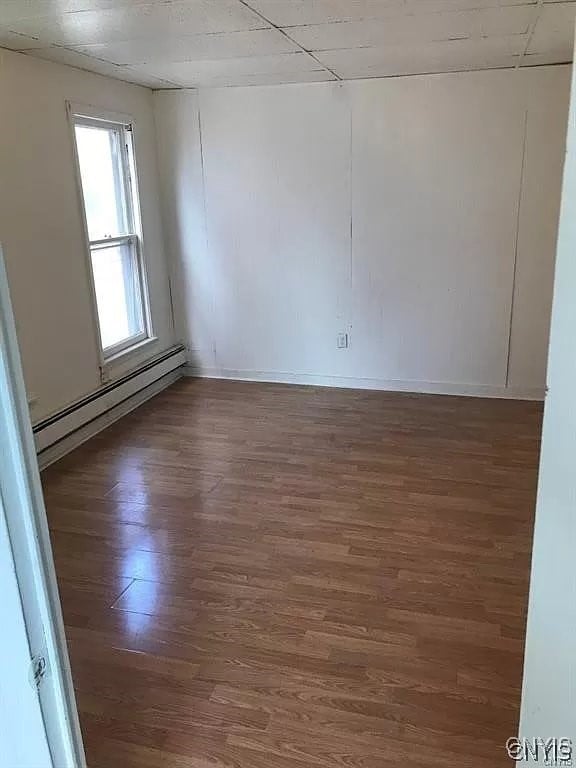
(342,341)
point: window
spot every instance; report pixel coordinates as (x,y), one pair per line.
(107,173)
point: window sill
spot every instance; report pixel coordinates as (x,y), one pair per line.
(114,361)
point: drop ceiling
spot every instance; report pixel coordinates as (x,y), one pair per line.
(204,43)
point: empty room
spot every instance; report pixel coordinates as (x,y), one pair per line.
(288,294)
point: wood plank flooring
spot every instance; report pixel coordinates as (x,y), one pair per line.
(264,576)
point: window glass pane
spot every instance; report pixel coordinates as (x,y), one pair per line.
(118,293)
(102,185)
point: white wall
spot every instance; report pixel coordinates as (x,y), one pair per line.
(41,224)
(417,214)
(549,691)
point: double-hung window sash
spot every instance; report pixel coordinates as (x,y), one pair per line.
(106,164)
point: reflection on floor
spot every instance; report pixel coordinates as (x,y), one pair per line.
(262,576)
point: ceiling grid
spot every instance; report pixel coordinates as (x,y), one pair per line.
(205,43)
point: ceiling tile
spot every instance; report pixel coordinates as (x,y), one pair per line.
(554,32)
(441,56)
(434,6)
(90,64)
(71,58)
(15,10)
(129,75)
(287,13)
(198,72)
(269,78)
(413,29)
(139,21)
(541,59)
(15,42)
(261,42)
(166,43)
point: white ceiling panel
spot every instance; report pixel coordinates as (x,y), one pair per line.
(141,21)
(512,20)
(271,79)
(433,6)
(189,43)
(538,59)
(439,6)
(90,64)
(78,60)
(553,34)
(445,56)
(15,10)
(260,42)
(197,73)
(16,42)
(187,77)
(288,13)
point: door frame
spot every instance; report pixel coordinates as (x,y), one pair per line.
(27,524)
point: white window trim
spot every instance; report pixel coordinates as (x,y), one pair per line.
(113,355)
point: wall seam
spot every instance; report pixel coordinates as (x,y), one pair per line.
(516,246)
(205,213)
(351,172)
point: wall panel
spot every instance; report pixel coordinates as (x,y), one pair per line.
(416,214)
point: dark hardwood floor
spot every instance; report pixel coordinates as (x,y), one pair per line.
(263,576)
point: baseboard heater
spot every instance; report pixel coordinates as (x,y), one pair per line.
(93,412)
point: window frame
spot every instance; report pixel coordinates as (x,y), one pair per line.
(79,114)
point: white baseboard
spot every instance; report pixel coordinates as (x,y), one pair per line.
(62,431)
(81,435)
(385,385)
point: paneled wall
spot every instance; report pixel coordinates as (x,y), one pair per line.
(418,215)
